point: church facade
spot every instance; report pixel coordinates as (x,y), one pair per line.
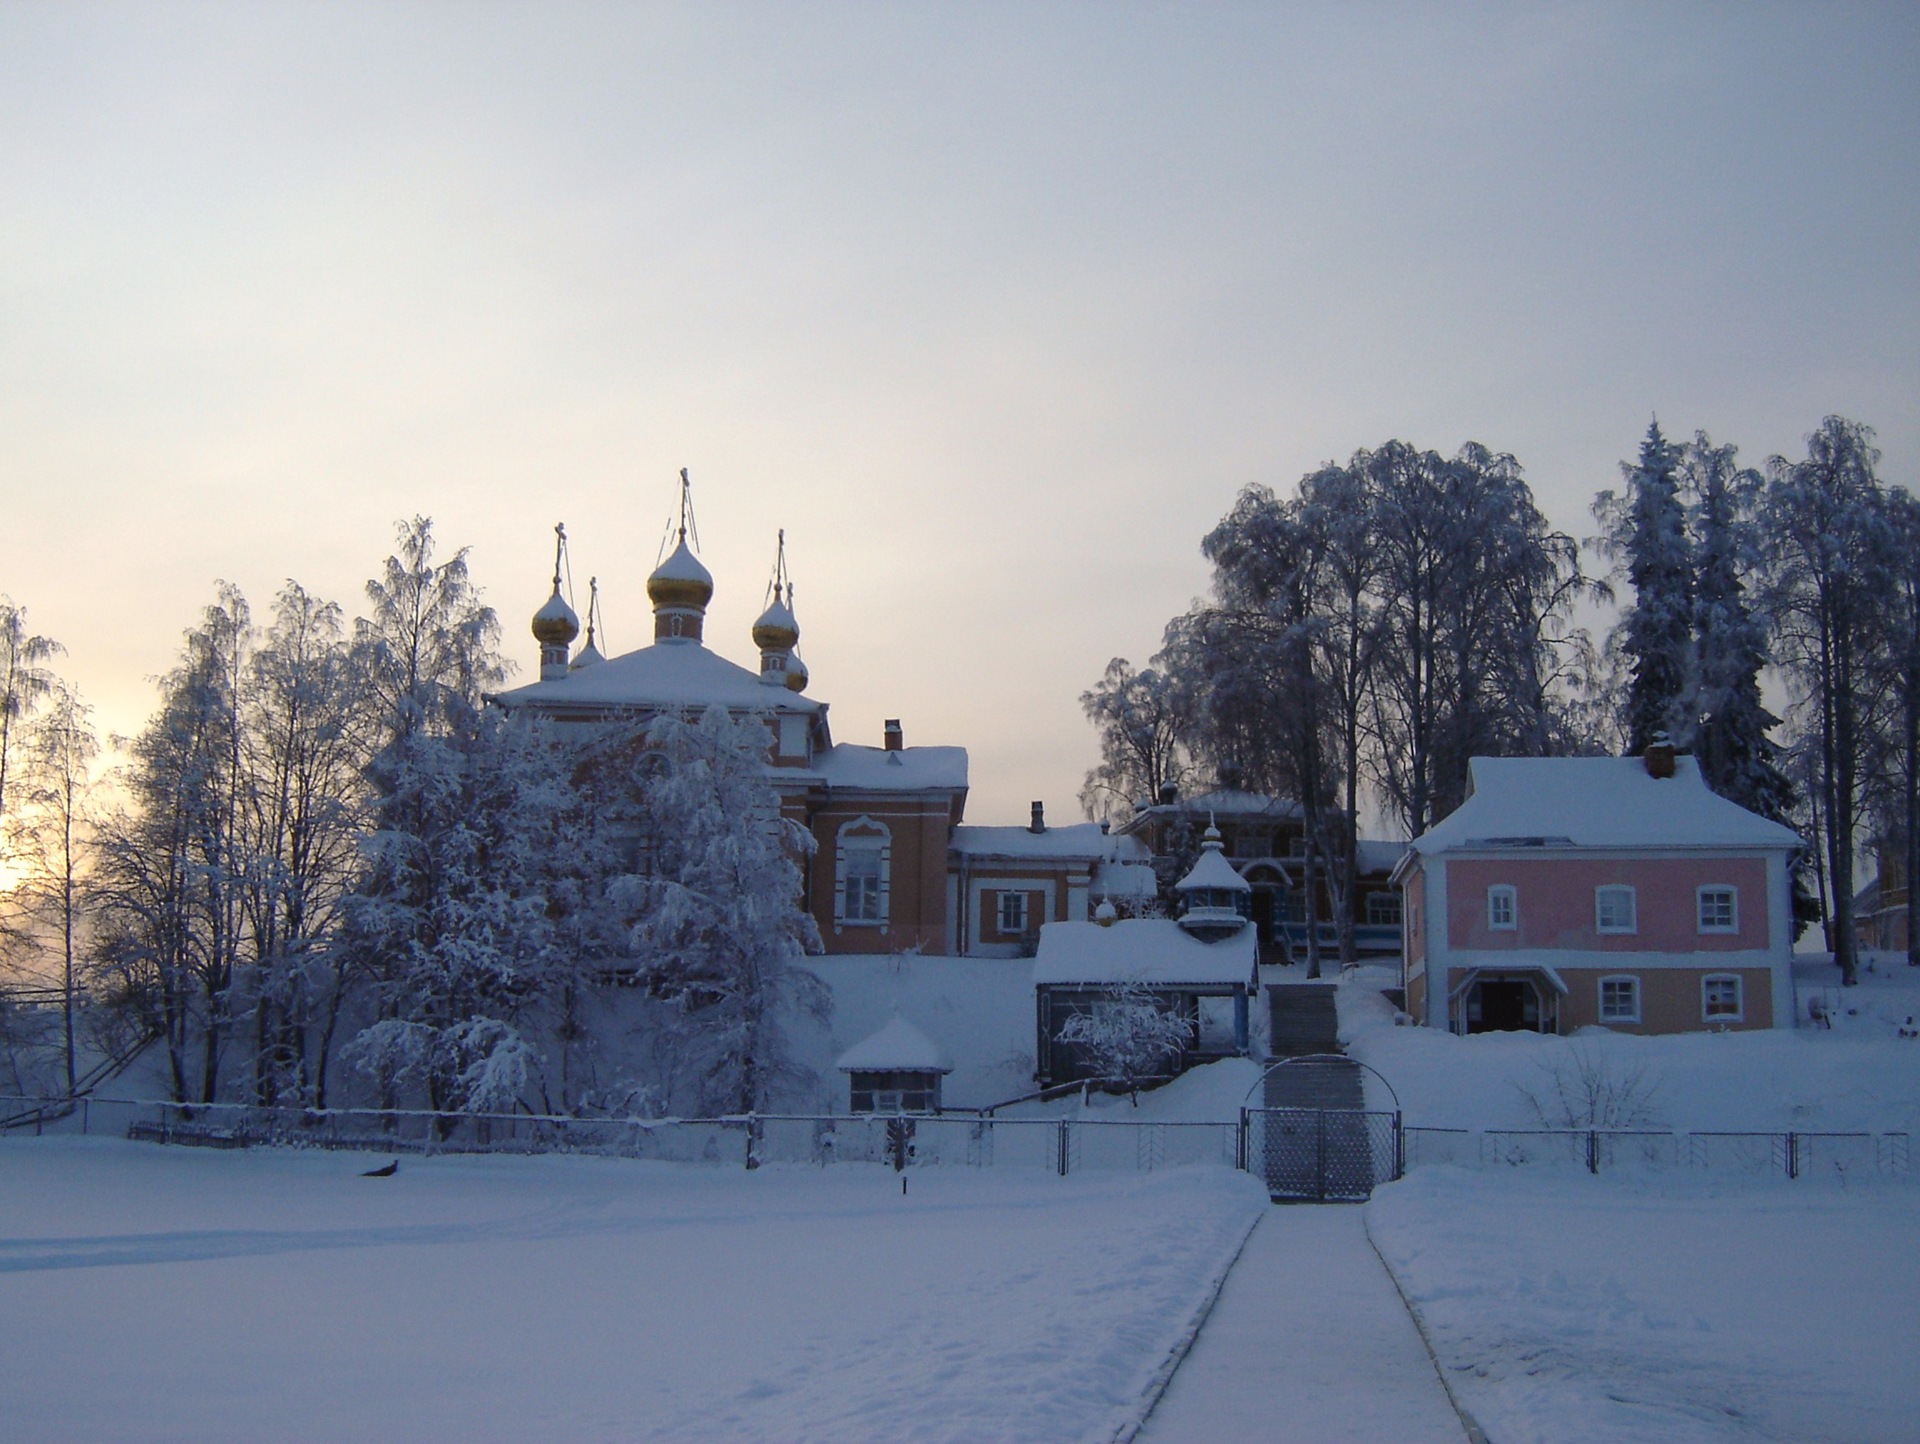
(893,868)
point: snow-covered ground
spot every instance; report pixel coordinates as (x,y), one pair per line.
(180,1294)
(1576,1310)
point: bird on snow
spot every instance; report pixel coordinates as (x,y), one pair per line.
(387,1172)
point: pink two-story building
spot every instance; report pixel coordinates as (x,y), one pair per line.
(1614,890)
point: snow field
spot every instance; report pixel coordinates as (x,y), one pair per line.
(1576,1310)
(173,1294)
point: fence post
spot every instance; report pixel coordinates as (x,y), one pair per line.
(1399,1148)
(753,1137)
(1593,1151)
(1793,1155)
(86,1115)
(1063,1147)
(1240,1143)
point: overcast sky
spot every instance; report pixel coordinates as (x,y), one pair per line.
(993,308)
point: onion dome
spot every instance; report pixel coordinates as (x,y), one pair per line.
(776,631)
(586,656)
(590,654)
(681,580)
(555,624)
(796,673)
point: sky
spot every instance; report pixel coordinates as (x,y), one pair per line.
(993,307)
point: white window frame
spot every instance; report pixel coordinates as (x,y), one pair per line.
(1632,983)
(1010,901)
(1700,896)
(861,836)
(1739,984)
(1616,928)
(1503,908)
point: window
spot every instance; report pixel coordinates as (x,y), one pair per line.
(1013,912)
(1503,908)
(861,866)
(1720,998)
(1619,1000)
(1719,909)
(860,885)
(1247,843)
(1383,909)
(1613,910)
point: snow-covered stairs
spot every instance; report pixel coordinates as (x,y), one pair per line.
(1304,1019)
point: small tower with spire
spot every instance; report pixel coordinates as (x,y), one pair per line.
(776,632)
(1216,902)
(680,586)
(555,625)
(590,653)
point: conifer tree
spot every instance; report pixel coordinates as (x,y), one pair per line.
(1647,539)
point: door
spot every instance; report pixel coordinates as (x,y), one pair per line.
(1503,1007)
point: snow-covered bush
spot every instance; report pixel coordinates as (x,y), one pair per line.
(1128,1035)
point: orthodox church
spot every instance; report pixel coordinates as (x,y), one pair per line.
(894,869)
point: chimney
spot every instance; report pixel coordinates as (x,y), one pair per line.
(1039,823)
(895,739)
(1659,756)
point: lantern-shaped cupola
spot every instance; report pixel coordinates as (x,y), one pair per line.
(1215,901)
(555,625)
(680,586)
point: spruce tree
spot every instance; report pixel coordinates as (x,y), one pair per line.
(1649,535)
(1737,757)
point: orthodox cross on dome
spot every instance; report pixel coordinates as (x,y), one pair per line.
(687,523)
(559,550)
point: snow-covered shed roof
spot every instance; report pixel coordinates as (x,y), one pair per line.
(1212,870)
(1608,802)
(898,1047)
(1075,840)
(673,674)
(1152,951)
(1123,879)
(910,769)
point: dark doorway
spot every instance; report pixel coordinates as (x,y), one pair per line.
(1263,932)
(1503,1008)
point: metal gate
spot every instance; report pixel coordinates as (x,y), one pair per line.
(1321,1155)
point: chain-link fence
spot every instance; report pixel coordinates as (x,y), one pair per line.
(1842,1157)
(949,1139)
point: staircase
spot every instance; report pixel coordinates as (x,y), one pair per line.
(1304,1020)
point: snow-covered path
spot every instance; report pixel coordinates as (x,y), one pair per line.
(1309,1341)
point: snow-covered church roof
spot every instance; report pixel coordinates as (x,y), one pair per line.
(1602,802)
(876,769)
(669,674)
(1212,870)
(1075,840)
(898,1047)
(1152,951)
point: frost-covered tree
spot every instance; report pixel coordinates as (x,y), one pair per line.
(1827,579)
(1893,789)
(1129,1034)
(25,679)
(1646,538)
(1141,751)
(308,729)
(718,931)
(449,927)
(60,751)
(173,859)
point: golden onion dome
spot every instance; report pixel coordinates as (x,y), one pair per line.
(776,631)
(680,580)
(796,673)
(555,624)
